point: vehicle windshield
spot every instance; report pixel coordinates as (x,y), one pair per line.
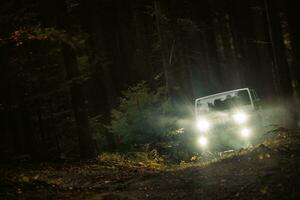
(224,101)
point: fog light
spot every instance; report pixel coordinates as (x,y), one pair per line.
(240,117)
(245,132)
(203,125)
(202,141)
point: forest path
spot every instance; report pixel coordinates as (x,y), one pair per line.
(261,174)
(268,171)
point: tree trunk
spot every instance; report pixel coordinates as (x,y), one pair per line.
(78,102)
(99,56)
(279,54)
(265,74)
(292,9)
(163,47)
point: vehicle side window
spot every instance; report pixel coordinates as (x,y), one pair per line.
(243,97)
(254,95)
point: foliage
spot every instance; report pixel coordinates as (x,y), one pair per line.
(142,117)
(37,66)
(36,33)
(149,160)
(99,131)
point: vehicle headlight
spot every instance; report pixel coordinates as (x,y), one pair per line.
(203,125)
(245,132)
(240,117)
(202,141)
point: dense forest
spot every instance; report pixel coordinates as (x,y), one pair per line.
(83,77)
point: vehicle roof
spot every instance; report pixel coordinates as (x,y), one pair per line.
(221,93)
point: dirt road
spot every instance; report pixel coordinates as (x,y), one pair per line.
(268,171)
(263,174)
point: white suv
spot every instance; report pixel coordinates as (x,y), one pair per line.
(228,120)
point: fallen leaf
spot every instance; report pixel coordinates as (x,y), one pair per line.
(25,179)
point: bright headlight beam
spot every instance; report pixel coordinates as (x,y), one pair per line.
(240,117)
(203,125)
(245,133)
(202,141)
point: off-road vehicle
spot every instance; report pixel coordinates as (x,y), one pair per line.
(228,120)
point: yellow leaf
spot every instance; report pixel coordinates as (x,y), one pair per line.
(264,190)
(25,179)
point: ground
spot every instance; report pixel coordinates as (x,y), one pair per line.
(267,171)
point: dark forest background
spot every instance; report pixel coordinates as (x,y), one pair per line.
(65,63)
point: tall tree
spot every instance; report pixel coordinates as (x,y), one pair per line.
(159,17)
(100,61)
(292,11)
(79,102)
